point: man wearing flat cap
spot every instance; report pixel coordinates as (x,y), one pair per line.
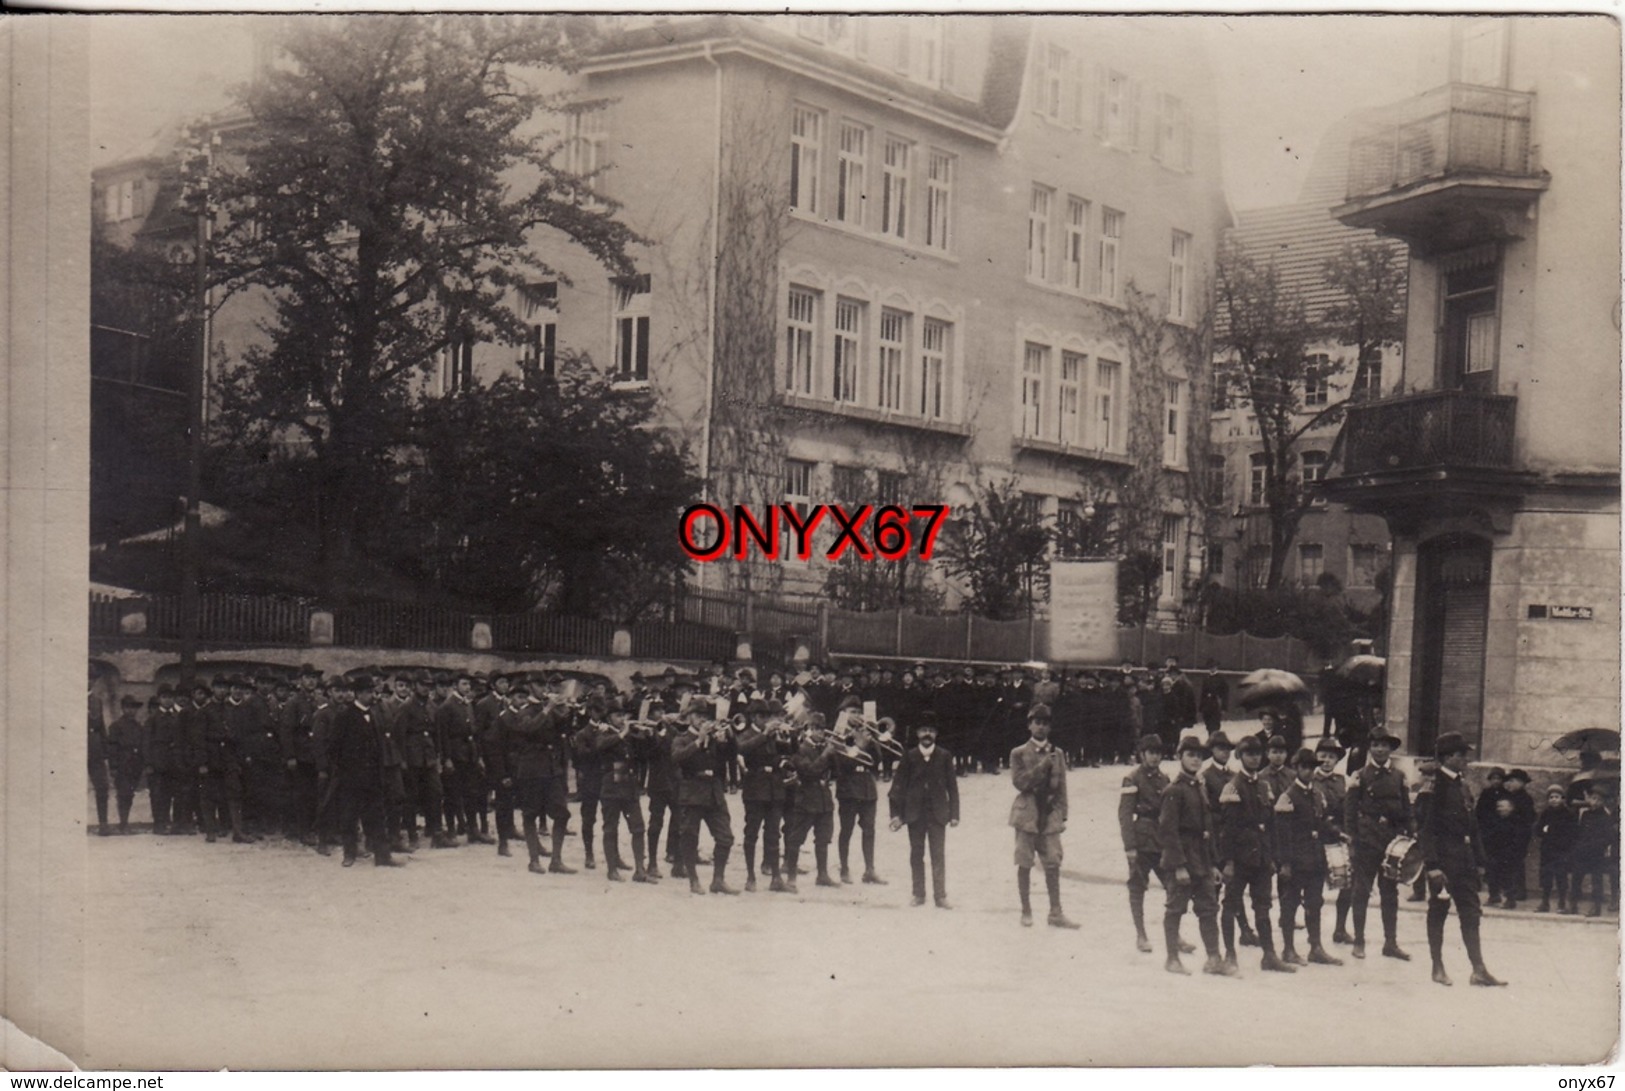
(1186,829)
(464,777)
(1376,810)
(1452,854)
(420,743)
(486,711)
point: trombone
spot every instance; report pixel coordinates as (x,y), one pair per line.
(882,731)
(845,747)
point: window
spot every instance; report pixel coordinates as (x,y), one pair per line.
(1311,563)
(1257,562)
(1179,262)
(1034,365)
(632,327)
(806,134)
(1314,466)
(1108,397)
(800,327)
(928,52)
(939,192)
(934,369)
(1173,142)
(1077,216)
(1172,530)
(1114,113)
(1314,469)
(110,202)
(1173,433)
(798,489)
(1032,507)
(1038,233)
(1215,560)
(893,352)
(537,302)
(1215,479)
(1220,400)
(1368,378)
(854,157)
(892,488)
(1111,239)
(894,192)
(1256,464)
(1069,400)
(1315,370)
(1060,86)
(457,364)
(848,351)
(1365,561)
(584,152)
(1470,323)
(851,484)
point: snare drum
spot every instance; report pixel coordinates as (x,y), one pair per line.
(1337,866)
(1402,862)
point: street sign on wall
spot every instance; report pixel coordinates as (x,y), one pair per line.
(1083,611)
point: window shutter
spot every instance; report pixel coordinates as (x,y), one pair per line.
(643,349)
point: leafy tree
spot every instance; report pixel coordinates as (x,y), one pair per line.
(999,547)
(1265,329)
(1369,315)
(542,494)
(391,193)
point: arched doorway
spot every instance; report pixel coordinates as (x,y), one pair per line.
(1452,612)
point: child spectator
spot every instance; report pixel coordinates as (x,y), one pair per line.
(1556,829)
(1596,849)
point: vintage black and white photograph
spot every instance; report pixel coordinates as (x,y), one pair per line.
(822,540)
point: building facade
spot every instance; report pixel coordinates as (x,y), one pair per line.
(1497,471)
(893,256)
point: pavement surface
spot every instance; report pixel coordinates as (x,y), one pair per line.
(269,956)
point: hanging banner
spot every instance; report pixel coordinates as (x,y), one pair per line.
(1083,611)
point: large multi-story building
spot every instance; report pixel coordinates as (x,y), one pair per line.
(891,254)
(888,257)
(1299,239)
(1499,476)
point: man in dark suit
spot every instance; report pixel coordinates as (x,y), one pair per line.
(925,795)
(358,761)
(1452,855)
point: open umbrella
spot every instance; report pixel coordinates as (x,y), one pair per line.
(1596,739)
(1268,685)
(1595,776)
(1367,670)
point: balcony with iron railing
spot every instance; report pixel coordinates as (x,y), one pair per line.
(1432,448)
(1449,167)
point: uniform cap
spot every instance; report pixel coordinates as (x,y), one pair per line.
(1329,745)
(1277,742)
(1148,742)
(1218,739)
(166,691)
(1451,742)
(1380,734)
(1304,757)
(1190,744)
(757,708)
(1518,774)
(360,681)
(1039,712)
(1249,744)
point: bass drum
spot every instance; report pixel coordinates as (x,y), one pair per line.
(1402,862)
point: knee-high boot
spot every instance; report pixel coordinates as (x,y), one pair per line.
(558,865)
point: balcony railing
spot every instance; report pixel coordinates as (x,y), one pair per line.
(1455,128)
(1441,428)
